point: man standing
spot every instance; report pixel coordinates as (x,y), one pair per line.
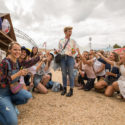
(67,62)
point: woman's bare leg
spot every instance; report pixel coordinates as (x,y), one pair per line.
(109,91)
(100,84)
(42,89)
(115,86)
(45,79)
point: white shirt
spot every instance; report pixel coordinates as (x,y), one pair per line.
(97,66)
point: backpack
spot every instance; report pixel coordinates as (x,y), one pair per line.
(56,87)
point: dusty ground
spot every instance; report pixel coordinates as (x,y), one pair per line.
(84,108)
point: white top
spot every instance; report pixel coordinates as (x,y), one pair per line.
(32,69)
(121,80)
(22,80)
(122,70)
(97,65)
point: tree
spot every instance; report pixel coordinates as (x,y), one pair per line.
(123,46)
(116,46)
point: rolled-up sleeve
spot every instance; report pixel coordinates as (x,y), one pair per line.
(30,63)
(60,46)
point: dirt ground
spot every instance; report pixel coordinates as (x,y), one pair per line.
(83,108)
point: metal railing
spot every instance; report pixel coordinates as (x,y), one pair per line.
(24,36)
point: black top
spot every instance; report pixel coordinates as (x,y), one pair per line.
(113,69)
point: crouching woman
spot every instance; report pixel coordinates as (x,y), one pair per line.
(43,74)
(9,75)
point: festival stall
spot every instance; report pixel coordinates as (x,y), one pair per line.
(7,34)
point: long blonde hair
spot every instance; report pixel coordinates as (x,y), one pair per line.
(121,63)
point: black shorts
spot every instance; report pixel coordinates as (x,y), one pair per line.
(109,81)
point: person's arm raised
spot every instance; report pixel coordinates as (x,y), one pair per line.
(111,74)
(89,62)
(106,59)
(46,66)
(30,62)
(39,65)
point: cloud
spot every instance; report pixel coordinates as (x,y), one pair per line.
(53,8)
(82,9)
(78,10)
(116,5)
(3,8)
(44,20)
(20,11)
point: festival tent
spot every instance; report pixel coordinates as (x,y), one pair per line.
(6,38)
(119,50)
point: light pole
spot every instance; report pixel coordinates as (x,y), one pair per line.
(90,44)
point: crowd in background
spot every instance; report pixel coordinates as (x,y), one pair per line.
(103,71)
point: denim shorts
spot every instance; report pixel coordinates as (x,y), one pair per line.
(36,80)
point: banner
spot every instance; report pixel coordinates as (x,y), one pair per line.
(119,50)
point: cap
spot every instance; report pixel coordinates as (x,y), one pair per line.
(27,50)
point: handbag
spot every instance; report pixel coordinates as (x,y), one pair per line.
(58,57)
(16,87)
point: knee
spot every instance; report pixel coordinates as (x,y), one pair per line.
(47,78)
(115,84)
(71,75)
(97,85)
(26,97)
(108,94)
(44,91)
(64,74)
(109,91)
(100,85)
(12,121)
